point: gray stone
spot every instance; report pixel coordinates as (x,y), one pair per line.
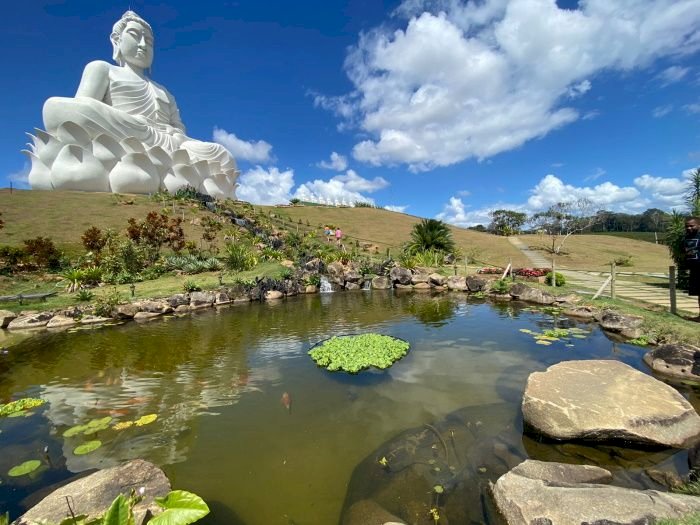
(477,284)
(222,298)
(92,495)
(126,311)
(570,298)
(682,361)
(399,286)
(419,278)
(198,299)
(580,312)
(146,316)
(381,282)
(272,295)
(626,325)
(352,286)
(30,320)
(425,287)
(336,271)
(457,283)
(6,317)
(311,288)
(608,400)
(353,276)
(61,321)
(314,265)
(437,279)
(154,306)
(182,309)
(562,472)
(400,275)
(532,295)
(559,498)
(94,319)
(178,299)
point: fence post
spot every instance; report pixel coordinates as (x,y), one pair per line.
(554,274)
(612,281)
(672,287)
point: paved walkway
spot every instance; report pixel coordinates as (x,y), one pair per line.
(592,281)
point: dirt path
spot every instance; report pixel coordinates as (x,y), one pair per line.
(592,281)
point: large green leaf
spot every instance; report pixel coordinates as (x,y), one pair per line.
(119,513)
(181,508)
(88,447)
(24,468)
(5,519)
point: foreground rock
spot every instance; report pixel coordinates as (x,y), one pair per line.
(561,494)
(92,495)
(608,400)
(626,325)
(675,360)
(532,295)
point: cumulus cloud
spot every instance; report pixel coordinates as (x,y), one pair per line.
(661,111)
(261,186)
(648,192)
(461,80)
(672,74)
(692,108)
(347,188)
(259,151)
(337,163)
(398,209)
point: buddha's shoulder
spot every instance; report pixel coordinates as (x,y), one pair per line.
(98,67)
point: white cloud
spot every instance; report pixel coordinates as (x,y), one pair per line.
(338,163)
(672,74)
(20,178)
(661,111)
(242,150)
(463,80)
(649,192)
(347,188)
(692,108)
(398,209)
(261,186)
(598,173)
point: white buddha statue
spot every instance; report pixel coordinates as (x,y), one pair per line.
(122,131)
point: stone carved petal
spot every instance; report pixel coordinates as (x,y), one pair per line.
(70,133)
(132,145)
(181,176)
(214,167)
(39,177)
(134,173)
(107,150)
(77,169)
(212,188)
(46,146)
(160,158)
(180,156)
(202,167)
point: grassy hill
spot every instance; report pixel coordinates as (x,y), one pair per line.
(64,216)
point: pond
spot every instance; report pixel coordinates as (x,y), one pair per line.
(216,381)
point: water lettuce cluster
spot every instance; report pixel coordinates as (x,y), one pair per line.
(20,406)
(354,353)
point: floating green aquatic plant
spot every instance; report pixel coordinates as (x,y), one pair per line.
(88,447)
(357,352)
(24,468)
(547,337)
(146,420)
(20,406)
(90,427)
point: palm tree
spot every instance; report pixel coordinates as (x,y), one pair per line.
(692,193)
(430,234)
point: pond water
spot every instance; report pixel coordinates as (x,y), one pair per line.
(216,379)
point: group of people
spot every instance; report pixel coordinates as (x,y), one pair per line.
(692,256)
(331,232)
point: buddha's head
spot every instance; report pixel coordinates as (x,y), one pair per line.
(132,41)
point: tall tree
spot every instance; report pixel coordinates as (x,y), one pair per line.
(692,194)
(431,234)
(507,222)
(562,220)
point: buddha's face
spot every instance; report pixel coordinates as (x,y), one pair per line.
(136,45)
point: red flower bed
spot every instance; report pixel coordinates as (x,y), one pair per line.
(531,272)
(491,271)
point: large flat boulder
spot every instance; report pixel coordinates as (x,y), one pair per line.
(682,361)
(608,400)
(30,320)
(563,494)
(531,295)
(92,495)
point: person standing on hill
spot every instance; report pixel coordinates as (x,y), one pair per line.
(691,244)
(338,236)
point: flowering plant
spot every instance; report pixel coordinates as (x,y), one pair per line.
(491,270)
(531,272)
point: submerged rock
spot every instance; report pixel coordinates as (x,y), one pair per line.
(92,495)
(608,400)
(680,361)
(562,494)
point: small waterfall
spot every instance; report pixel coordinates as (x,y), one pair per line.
(367,285)
(325,285)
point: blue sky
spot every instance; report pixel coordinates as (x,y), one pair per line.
(439,108)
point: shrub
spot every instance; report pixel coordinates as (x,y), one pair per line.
(286,273)
(270,254)
(44,252)
(107,302)
(93,239)
(313,279)
(530,272)
(122,255)
(239,257)
(429,258)
(75,277)
(500,286)
(623,260)
(560,279)
(155,231)
(84,295)
(430,234)
(191,286)
(12,255)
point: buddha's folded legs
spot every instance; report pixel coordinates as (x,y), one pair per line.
(96,118)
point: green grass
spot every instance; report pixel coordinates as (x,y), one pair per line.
(690,519)
(637,236)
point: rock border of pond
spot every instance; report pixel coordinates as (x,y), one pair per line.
(341,277)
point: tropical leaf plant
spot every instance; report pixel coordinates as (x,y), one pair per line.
(180,508)
(430,234)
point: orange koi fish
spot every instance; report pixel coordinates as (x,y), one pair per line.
(287,402)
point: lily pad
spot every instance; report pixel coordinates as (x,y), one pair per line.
(146,420)
(24,468)
(74,431)
(543,342)
(123,424)
(88,447)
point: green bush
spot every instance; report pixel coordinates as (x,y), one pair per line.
(44,252)
(84,295)
(500,286)
(313,279)
(239,257)
(560,279)
(107,302)
(191,286)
